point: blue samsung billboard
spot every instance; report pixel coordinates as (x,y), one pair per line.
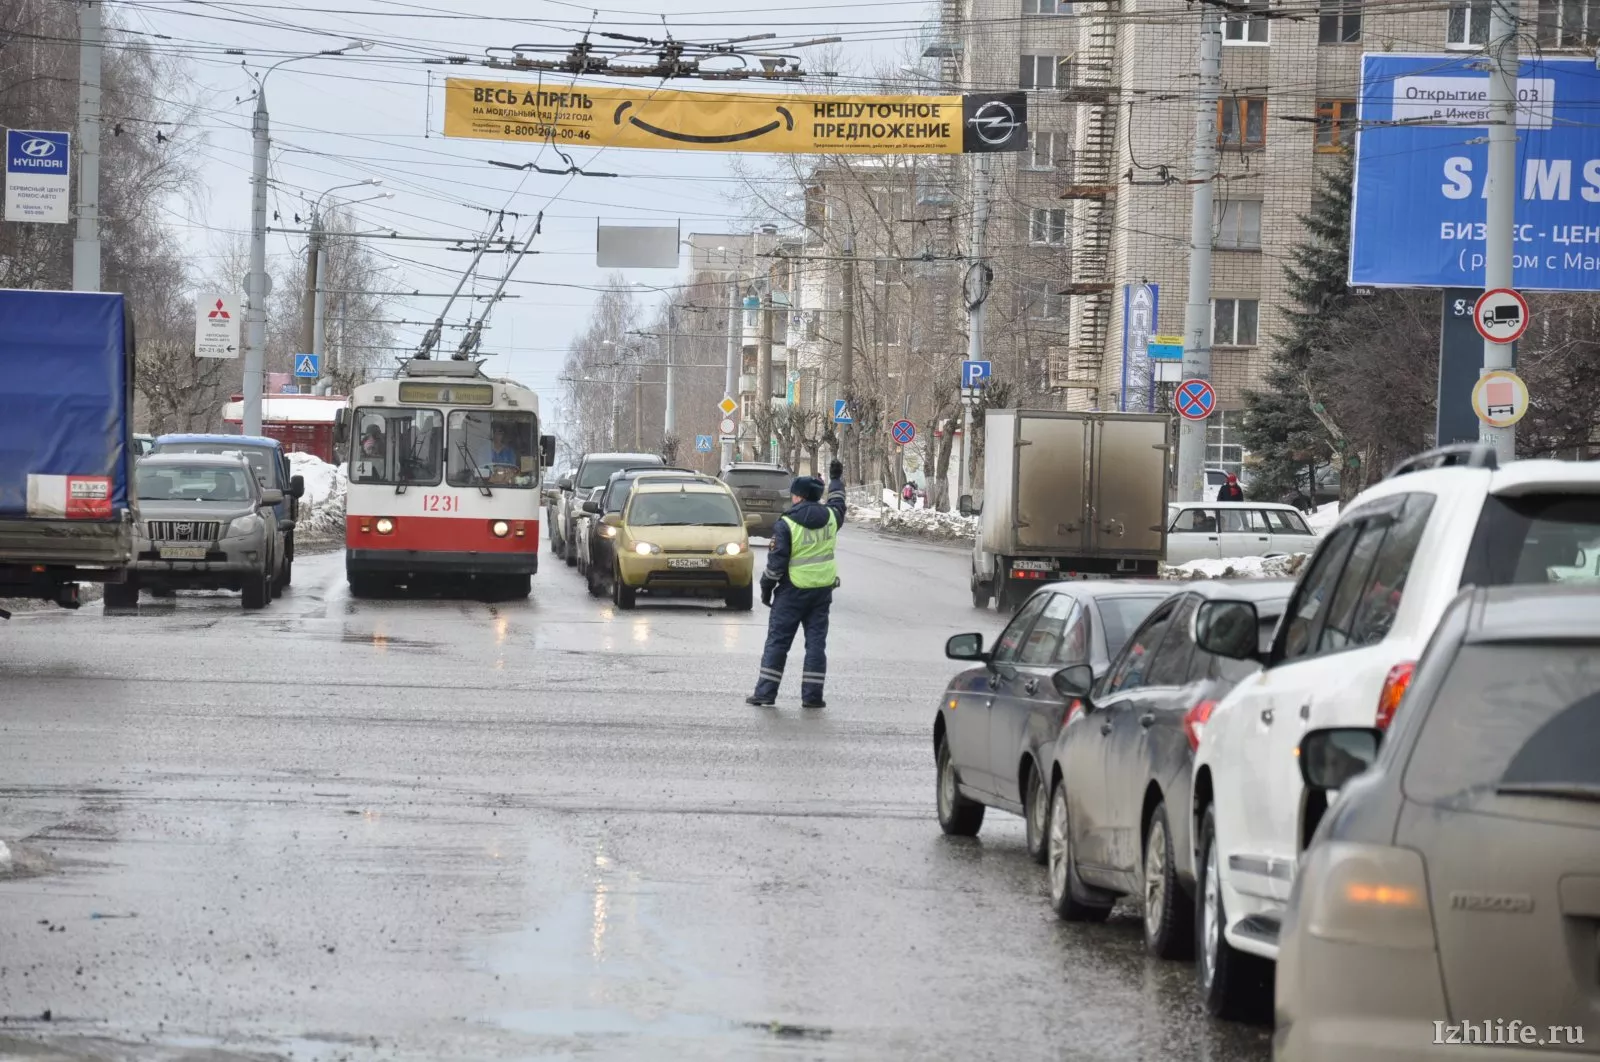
(1422,163)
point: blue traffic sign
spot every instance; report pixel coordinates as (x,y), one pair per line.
(1422,163)
(1195,400)
(305,366)
(904,432)
(841,412)
(974,373)
(703,443)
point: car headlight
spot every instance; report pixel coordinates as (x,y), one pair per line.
(500,529)
(244,525)
(732,549)
(644,549)
(607,531)
(383,525)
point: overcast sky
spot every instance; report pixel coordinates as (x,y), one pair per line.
(379,114)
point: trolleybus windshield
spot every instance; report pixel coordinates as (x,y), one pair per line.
(402,447)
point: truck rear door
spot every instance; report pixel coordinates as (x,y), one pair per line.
(1129,511)
(1052,502)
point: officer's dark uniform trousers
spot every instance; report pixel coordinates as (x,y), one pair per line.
(792,609)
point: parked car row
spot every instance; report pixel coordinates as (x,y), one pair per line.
(1445,630)
(216,512)
(631,525)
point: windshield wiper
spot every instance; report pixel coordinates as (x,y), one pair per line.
(1558,790)
(483,484)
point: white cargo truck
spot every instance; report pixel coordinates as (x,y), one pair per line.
(1068,496)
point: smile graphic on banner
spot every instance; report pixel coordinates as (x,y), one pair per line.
(722,121)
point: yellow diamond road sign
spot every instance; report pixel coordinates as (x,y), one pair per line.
(728,405)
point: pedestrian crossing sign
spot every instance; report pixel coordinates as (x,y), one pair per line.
(841,412)
(305,366)
(702,443)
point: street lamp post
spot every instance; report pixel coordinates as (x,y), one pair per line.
(258,285)
(316,274)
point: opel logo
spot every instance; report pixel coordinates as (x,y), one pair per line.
(994,122)
(38,147)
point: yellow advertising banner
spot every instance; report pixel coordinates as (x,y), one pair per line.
(800,124)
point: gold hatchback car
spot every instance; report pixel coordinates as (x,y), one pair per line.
(678,538)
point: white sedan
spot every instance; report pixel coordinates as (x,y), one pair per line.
(1213,530)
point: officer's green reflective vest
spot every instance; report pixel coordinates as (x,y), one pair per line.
(811,553)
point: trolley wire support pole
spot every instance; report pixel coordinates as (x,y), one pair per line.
(977,294)
(1502,196)
(257,284)
(764,366)
(638,410)
(847,342)
(669,425)
(319,321)
(1197,311)
(86,247)
(735,351)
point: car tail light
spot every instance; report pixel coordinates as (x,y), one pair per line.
(1394,688)
(1367,894)
(1194,722)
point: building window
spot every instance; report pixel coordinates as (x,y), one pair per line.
(1340,23)
(1242,122)
(1042,72)
(1045,149)
(1040,299)
(1336,125)
(1249,28)
(1468,24)
(1238,225)
(1569,23)
(1225,440)
(1233,322)
(1048,226)
(1046,7)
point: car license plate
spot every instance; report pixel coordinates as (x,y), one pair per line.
(183,553)
(1032,566)
(688,562)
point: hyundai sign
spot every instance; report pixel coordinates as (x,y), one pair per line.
(38,176)
(1422,161)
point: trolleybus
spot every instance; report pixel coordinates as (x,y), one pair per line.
(444,465)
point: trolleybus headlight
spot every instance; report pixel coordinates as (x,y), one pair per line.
(644,549)
(500,528)
(732,549)
(384,525)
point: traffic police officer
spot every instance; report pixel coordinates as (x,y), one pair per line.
(798,587)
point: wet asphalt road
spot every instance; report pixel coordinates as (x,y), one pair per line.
(441,829)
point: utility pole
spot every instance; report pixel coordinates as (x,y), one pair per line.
(1502,196)
(847,342)
(86,247)
(1197,312)
(730,385)
(308,300)
(638,410)
(319,319)
(977,278)
(764,366)
(257,284)
(669,428)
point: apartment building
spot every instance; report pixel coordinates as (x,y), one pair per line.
(1122,97)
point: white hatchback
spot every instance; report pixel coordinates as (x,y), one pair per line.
(1212,530)
(1359,618)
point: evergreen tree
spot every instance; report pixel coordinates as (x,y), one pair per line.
(1281,430)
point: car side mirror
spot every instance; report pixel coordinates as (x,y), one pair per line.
(612,519)
(1230,629)
(592,507)
(1331,756)
(1074,682)
(564,483)
(966,647)
(341,426)
(297,486)
(964,505)
(270,498)
(547,450)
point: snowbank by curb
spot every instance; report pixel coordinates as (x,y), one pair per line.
(322,509)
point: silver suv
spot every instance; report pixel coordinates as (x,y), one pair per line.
(205,523)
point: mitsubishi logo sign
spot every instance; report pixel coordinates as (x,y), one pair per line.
(38,148)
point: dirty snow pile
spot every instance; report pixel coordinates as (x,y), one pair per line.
(1284,566)
(929,523)
(322,508)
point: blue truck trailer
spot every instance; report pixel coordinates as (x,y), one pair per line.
(67,500)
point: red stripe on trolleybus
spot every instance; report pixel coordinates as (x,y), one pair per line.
(444,534)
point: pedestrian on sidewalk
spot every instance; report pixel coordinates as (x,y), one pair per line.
(1230,491)
(798,586)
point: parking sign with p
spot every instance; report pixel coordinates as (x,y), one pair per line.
(974,373)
